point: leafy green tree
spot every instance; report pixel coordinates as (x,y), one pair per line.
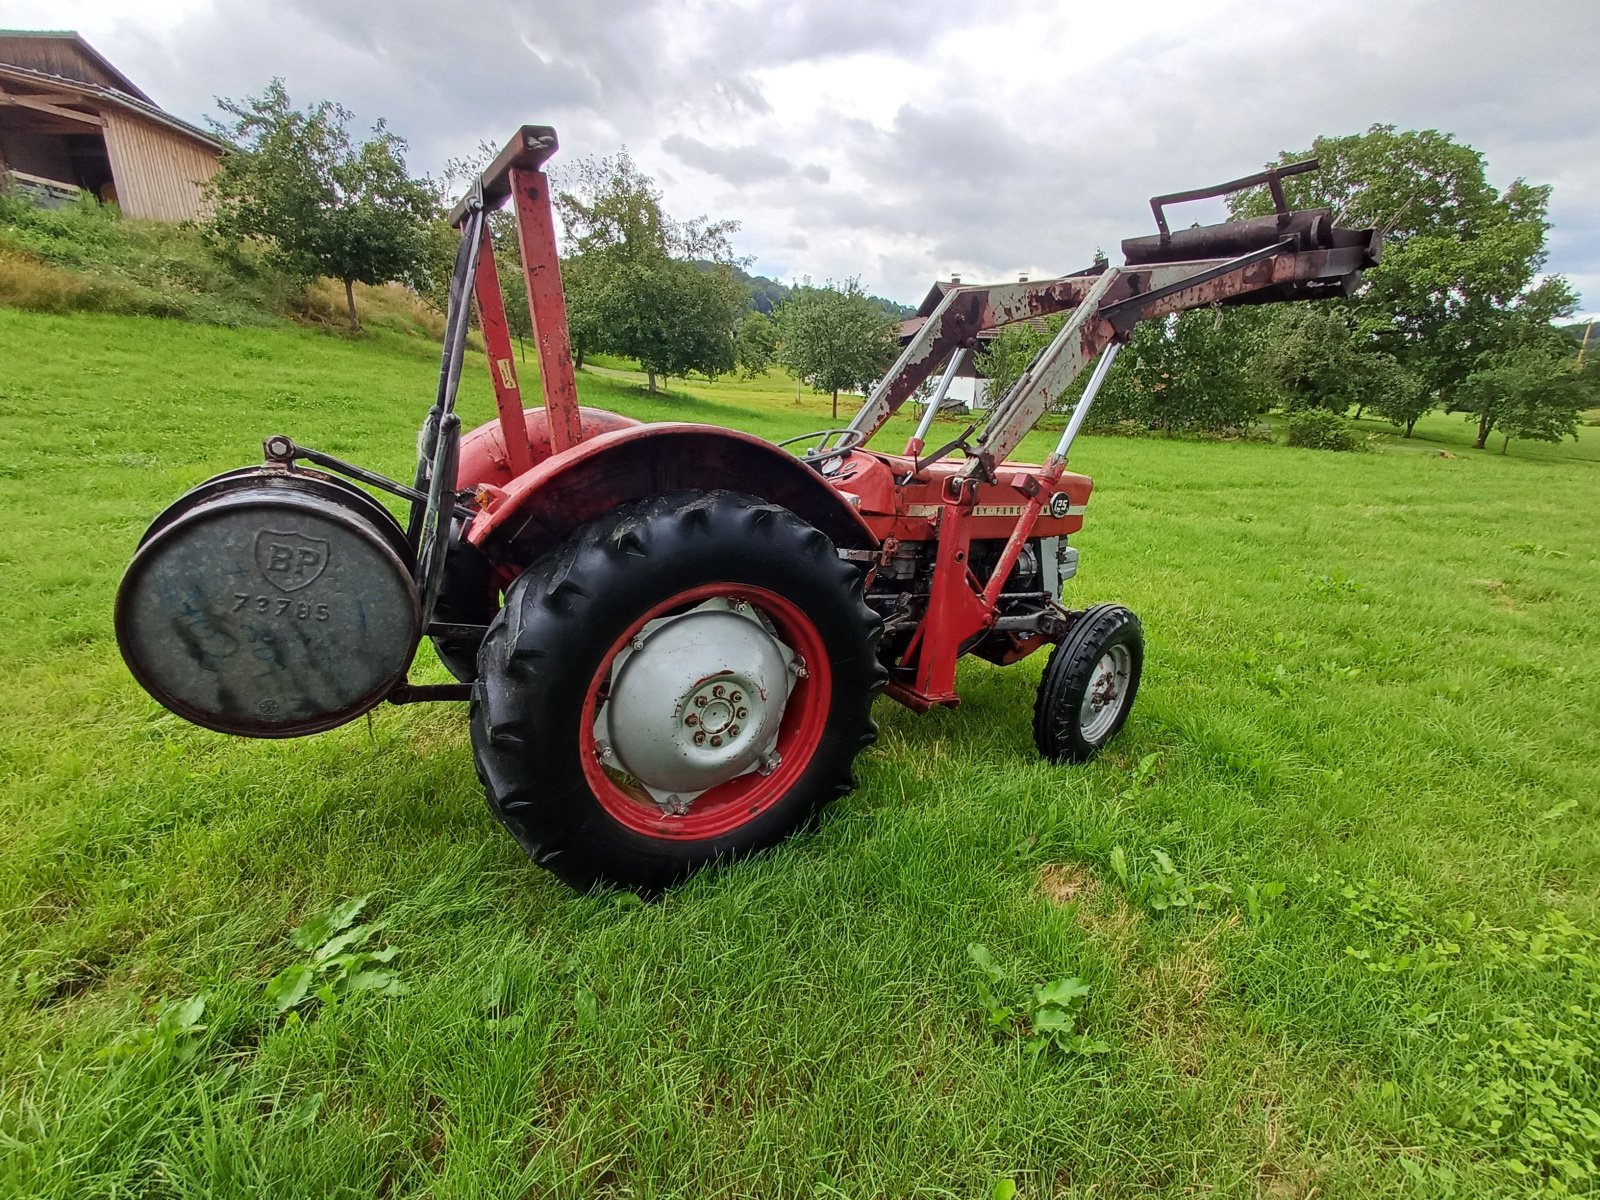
(674,318)
(756,344)
(1379,384)
(323,204)
(1012,349)
(1534,393)
(638,282)
(835,338)
(1461,274)
(1194,371)
(1313,358)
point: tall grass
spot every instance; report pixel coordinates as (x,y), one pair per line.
(86,257)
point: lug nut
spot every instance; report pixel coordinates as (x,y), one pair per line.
(741,713)
(736,696)
(691,719)
(715,740)
(699,737)
(717,691)
(733,731)
(699,701)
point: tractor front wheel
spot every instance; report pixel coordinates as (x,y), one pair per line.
(1089,684)
(687,679)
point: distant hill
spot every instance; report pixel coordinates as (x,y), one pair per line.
(763,294)
(1578,330)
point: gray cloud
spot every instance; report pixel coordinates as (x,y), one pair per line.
(736,164)
(900,141)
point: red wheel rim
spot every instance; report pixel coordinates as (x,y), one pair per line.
(737,802)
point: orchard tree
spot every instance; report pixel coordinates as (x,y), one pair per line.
(323,204)
(1379,384)
(638,282)
(756,344)
(1461,274)
(1012,349)
(674,318)
(1533,393)
(1313,358)
(835,338)
(1190,371)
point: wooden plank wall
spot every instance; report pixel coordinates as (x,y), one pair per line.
(158,172)
(56,56)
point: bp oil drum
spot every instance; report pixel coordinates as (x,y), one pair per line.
(270,602)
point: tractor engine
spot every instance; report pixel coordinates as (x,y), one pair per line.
(899,592)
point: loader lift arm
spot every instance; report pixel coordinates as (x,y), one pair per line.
(1286,256)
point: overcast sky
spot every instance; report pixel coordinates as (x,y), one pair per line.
(904,141)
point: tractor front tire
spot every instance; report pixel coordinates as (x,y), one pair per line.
(686,679)
(1089,684)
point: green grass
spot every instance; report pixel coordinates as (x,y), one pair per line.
(1372,679)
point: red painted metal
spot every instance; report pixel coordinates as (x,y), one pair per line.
(502,367)
(727,806)
(537,510)
(484,458)
(541,264)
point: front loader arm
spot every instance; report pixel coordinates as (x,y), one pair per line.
(1284,256)
(955,325)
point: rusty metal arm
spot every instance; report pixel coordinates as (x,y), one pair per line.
(532,147)
(955,325)
(1274,272)
(1046,378)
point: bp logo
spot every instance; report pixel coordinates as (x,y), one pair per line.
(1060,504)
(290,561)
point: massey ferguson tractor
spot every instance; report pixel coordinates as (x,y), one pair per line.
(672,635)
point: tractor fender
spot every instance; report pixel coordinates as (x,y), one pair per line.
(539,509)
(483,451)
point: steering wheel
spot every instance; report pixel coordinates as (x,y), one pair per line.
(849,439)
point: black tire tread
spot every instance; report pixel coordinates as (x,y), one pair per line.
(1067,673)
(549,606)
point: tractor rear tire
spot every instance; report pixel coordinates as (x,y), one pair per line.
(585,726)
(1089,684)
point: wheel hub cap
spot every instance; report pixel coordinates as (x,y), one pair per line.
(696,699)
(1102,699)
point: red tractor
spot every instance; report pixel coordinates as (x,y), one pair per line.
(672,635)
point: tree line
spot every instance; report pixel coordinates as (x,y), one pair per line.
(638,282)
(1458,314)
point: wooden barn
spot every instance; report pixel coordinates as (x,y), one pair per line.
(70,122)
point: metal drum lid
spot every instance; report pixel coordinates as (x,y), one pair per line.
(273,607)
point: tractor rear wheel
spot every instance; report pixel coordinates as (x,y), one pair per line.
(1089,684)
(686,679)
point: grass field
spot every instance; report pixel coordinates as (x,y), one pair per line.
(1333,892)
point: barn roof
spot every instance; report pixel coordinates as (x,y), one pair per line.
(97,94)
(24,55)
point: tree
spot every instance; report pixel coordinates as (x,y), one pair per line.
(756,344)
(323,205)
(835,338)
(1012,349)
(1532,393)
(1313,358)
(1381,385)
(1460,276)
(640,283)
(1189,372)
(673,318)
